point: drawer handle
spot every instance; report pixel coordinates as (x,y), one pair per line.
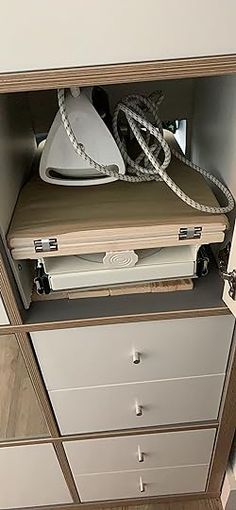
(136,358)
(138,409)
(141,485)
(140,455)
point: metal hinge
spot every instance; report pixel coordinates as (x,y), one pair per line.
(231,279)
(190,233)
(41,279)
(44,245)
(229,276)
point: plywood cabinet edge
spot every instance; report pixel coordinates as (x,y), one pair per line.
(227,421)
(96,321)
(8,296)
(118,73)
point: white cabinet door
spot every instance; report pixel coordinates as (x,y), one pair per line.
(3,314)
(103,355)
(108,32)
(31,476)
(155,482)
(114,407)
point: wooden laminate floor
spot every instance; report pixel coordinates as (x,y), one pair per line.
(201,504)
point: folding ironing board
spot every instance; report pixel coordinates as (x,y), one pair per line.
(55,220)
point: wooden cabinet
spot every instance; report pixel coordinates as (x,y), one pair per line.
(136,392)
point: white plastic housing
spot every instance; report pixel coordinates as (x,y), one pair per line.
(78,273)
(60,164)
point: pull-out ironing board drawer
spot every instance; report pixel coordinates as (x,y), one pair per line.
(62,220)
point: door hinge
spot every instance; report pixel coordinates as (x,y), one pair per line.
(45,245)
(229,276)
(190,233)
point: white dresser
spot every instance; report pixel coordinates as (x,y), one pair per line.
(122,379)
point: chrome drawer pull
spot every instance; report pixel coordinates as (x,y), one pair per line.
(136,358)
(140,455)
(141,485)
(138,409)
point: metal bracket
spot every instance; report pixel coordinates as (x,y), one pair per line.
(190,233)
(203,261)
(41,280)
(231,279)
(228,276)
(45,245)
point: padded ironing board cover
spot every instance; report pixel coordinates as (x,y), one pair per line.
(72,213)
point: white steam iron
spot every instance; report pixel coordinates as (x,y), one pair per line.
(60,164)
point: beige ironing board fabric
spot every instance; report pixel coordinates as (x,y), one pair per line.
(44,210)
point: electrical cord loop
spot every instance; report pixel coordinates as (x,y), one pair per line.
(138,110)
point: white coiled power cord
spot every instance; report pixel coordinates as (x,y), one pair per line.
(138,111)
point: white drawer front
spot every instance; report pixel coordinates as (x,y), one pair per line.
(156,482)
(114,407)
(103,355)
(3,314)
(31,476)
(140,452)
